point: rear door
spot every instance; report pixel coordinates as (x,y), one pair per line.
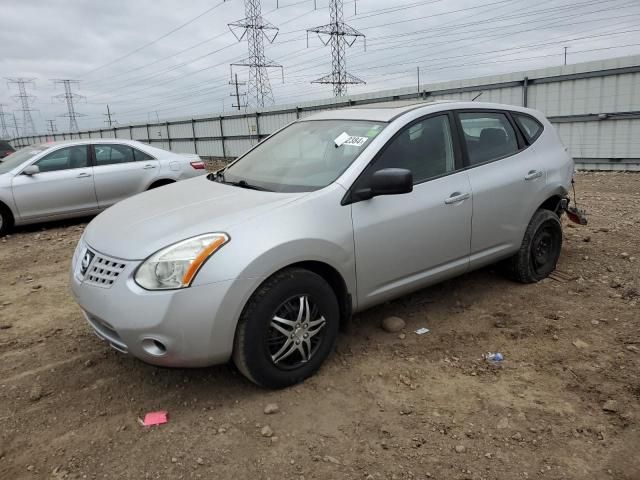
(404,242)
(506,179)
(121,171)
(64,185)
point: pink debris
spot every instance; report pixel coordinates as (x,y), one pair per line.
(155,418)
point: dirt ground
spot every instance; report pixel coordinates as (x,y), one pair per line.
(564,404)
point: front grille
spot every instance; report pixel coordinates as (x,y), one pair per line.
(103,271)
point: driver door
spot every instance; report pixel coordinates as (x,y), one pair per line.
(63,187)
(408,241)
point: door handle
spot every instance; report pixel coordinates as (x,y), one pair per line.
(533,174)
(457,198)
(149,167)
(84,175)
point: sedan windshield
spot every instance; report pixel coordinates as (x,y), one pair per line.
(303,157)
(18,158)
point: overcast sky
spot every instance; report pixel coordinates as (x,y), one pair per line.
(108,47)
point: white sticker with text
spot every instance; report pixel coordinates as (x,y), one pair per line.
(345,139)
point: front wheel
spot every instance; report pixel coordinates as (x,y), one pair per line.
(287,329)
(540,249)
(6,220)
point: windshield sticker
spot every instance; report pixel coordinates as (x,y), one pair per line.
(345,139)
(373,131)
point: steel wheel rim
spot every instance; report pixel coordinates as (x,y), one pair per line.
(296,332)
(543,249)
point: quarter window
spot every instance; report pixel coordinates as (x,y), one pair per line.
(529,125)
(141,156)
(488,136)
(425,148)
(64,159)
(108,154)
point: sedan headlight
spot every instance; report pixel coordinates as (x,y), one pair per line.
(177,265)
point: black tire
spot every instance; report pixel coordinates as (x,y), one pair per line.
(540,249)
(6,220)
(257,341)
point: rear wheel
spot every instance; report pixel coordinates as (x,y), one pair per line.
(6,220)
(287,329)
(540,249)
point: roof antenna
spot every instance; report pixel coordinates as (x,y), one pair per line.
(477,96)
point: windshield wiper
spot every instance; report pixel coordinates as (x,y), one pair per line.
(245,184)
(219,177)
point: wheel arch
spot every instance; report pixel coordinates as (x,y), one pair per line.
(161,182)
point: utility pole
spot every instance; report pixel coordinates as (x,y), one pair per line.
(341,36)
(51,128)
(25,100)
(15,125)
(237,94)
(256,29)
(418,68)
(70,99)
(565,55)
(4,133)
(109,121)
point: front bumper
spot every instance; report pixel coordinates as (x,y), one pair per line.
(195,325)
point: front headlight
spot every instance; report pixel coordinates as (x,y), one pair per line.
(177,265)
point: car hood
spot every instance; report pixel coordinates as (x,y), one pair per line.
(141,225)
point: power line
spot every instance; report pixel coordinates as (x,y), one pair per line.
(70,99)
(341,35)
(256,29)
(170,32)
(28,127)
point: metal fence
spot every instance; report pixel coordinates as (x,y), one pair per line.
(595,107)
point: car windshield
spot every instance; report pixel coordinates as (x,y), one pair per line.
(303,157)
(17,158)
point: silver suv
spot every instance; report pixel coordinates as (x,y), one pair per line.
(335,213)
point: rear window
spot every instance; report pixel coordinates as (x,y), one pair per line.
(529,126)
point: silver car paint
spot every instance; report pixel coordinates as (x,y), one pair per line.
(382,248)
(88,190)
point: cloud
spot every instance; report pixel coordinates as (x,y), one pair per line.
(187,73)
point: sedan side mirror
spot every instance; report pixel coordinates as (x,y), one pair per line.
(388,181)
(31,170)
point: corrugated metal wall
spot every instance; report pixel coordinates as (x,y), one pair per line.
(595,106)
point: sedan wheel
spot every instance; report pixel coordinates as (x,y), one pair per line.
(287,329)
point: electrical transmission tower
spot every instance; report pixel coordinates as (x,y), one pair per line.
(341,36)
(256,29)
(70,99)
(28,127)
(4,133)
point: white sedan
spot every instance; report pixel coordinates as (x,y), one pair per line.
(75,178)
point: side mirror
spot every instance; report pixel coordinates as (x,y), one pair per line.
(388,181)
(31,170)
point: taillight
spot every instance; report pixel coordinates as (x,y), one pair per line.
(199,165)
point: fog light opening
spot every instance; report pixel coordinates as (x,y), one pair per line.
(154,347)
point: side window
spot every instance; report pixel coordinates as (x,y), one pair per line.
(108,154)
(64,159)
(529,125)
(488,136)
(425,148)
(141,156)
